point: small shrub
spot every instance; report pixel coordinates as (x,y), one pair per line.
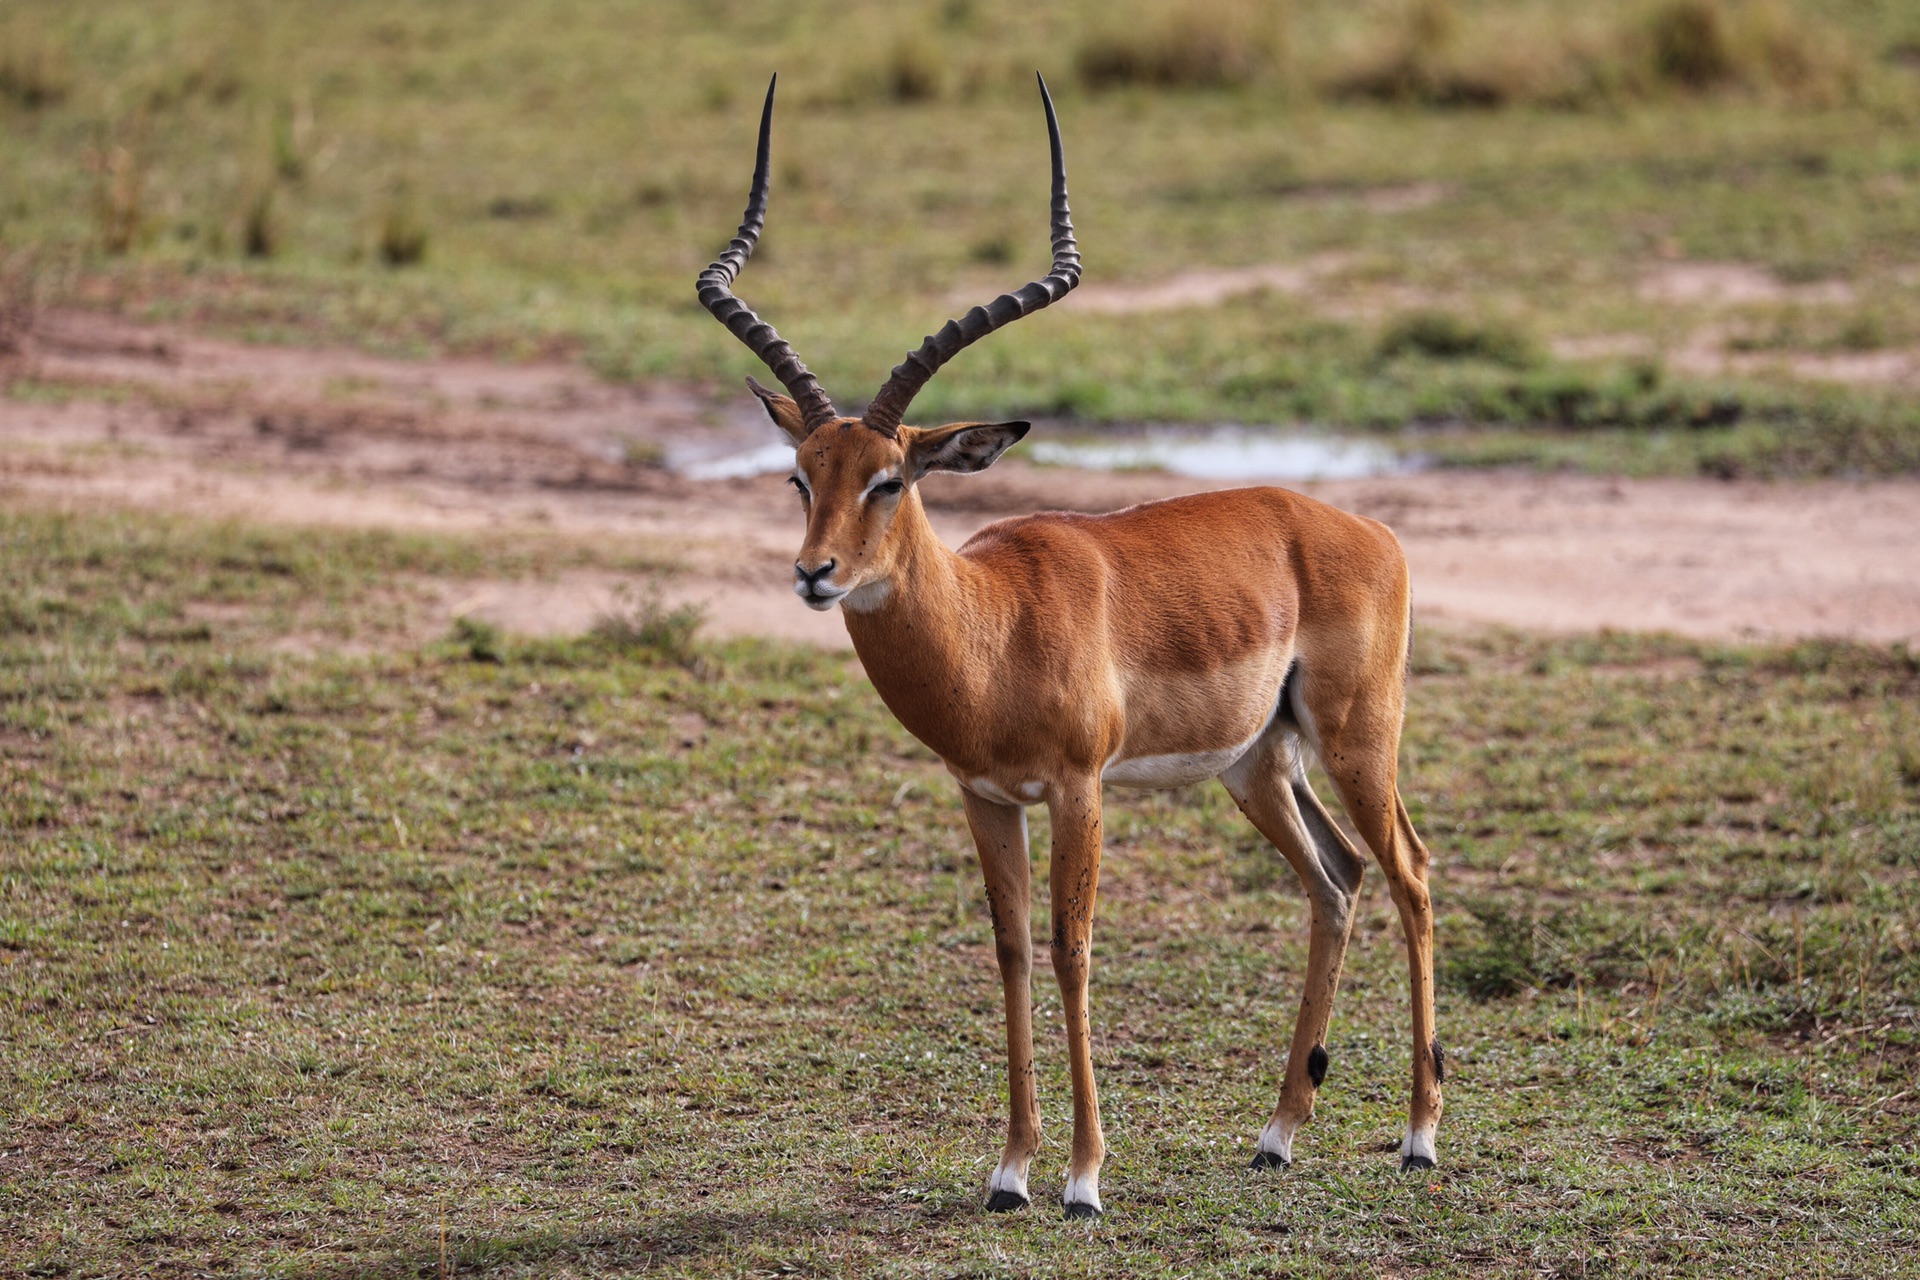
(1690,45)
(260,227)
(402,238)
(645,455)
(1866,331)
(915,70)
(1439,335)
(527,208)
(642,622)
(1499,963)
(993,251)
(293,139)
(1201,44)
(33,70)
(119,197)
(1419,64)
(482,640)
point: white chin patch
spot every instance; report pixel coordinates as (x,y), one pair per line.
(1419,1144)
(868,596)
(1082,1191)
(1277,1139)
(1009,1178)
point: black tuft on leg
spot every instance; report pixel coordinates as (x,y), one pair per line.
(1410,1164)
(1082,1210)
(1004,1201)
(1269,1160)
(1317,1065)
(1439,1062)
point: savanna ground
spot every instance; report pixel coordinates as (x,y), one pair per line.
(627,952)
(337,940)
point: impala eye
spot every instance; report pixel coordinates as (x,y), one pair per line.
(801,485)
(886,489)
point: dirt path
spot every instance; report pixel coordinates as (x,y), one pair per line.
(101,411)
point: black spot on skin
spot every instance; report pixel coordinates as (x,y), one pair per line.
(1317,1065)
(1439,1063)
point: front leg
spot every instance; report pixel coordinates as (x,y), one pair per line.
(1075,877)
(1000,836)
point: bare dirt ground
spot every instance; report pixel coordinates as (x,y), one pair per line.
(100,411)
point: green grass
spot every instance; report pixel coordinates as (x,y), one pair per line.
(601,956)
(551,176)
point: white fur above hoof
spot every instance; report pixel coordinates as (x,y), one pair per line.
(1275,1148)
(1082,1197)
(1417,1152)
(1007,1189)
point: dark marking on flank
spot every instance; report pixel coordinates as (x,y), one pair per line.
(1439,1062)
(1317,1065)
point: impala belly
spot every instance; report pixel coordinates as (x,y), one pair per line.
(1019,793)
(1179,769)
(1186,728)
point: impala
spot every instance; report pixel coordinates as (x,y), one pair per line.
(1235,635)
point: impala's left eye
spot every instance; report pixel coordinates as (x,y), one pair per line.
(885,489)
(801,485)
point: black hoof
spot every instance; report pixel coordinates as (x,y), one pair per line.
(1413,1164)
(1004,1201)
(1269,1160)
(1078,1210)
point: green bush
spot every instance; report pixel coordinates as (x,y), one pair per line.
(1439,335)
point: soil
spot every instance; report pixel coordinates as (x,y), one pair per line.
(102,411)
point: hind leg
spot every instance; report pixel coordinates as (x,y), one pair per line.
(1269,784)
(1357,730)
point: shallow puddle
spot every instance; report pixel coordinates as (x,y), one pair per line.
(1222,453)
(775,455)
(1205,453)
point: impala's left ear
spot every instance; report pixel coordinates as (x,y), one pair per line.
(963,446)
(784,412)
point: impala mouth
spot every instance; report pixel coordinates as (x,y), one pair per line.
(818,595)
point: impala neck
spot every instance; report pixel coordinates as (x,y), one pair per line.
(917,624)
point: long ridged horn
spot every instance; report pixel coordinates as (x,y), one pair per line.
(716,293)
(911,374)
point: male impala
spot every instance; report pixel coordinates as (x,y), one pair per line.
(1233,635)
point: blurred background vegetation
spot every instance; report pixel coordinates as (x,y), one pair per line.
(1671,233)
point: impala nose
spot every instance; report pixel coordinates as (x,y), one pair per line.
(811,585)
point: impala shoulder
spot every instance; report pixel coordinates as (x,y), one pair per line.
(1044,534)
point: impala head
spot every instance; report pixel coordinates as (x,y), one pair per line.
(856,475)
(853,481)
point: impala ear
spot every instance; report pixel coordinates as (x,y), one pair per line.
(964,447)
(784,412)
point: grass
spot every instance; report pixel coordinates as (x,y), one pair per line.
(550,177)
(578,957)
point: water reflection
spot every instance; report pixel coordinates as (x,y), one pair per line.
(1205,453)
(1224,453)
(768,458)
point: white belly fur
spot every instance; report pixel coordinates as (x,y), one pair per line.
(1182,768)
(1177,770)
